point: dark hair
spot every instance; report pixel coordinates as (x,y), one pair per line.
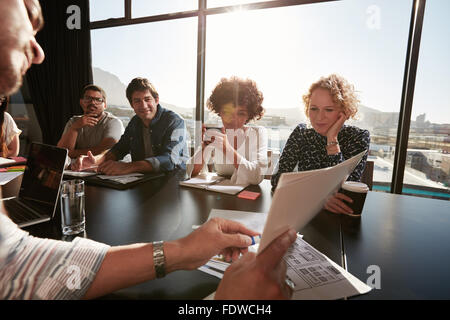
(92,87)
(3,107)
(239,92)
(141,84)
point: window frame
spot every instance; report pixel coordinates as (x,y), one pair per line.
(409,79)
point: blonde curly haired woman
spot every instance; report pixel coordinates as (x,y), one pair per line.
(327,141)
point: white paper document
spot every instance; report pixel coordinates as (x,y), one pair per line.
(315,276)
(299,196)
(252,220)
(79,174)
(213,182)
(6,177)
(124,179)
(6,161)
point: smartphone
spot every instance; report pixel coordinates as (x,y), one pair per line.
(210,132)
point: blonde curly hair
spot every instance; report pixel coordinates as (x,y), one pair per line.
(342,92)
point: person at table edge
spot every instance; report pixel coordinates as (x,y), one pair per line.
(96,130)
(329,102)
(36,268)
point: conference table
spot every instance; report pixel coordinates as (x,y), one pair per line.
(407,238)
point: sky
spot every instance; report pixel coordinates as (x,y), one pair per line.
(284,50)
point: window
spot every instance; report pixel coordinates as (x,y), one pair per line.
(284,50)
(142,8)
(22,111)
(106,9)
(224,3)
(427,170)
(164,52)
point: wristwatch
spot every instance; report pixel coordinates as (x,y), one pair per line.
(159,260)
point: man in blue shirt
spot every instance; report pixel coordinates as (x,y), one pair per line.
(155,137)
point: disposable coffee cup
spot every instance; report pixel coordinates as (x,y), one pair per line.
(358,192)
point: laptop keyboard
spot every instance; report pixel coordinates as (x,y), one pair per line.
(19,212)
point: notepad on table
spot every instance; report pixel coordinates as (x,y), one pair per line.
(6,161)
(213,182)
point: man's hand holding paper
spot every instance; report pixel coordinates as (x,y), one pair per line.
(301,195)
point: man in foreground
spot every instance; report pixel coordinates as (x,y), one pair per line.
(34,268)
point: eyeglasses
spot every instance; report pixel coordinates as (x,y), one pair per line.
(95,100)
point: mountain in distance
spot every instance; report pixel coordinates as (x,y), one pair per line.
(114,88)
(115,92)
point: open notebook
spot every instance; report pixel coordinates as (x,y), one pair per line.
(13,161)
(212,182)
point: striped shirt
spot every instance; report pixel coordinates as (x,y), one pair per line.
(306,149)
(34,268)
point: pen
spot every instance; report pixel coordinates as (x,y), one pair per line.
(256,239)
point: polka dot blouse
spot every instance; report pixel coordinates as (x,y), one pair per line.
(307,149)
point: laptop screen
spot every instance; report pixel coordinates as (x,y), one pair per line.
(43,174)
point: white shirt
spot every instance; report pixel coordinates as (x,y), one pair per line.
(34,268)
(9,128)
(251,146)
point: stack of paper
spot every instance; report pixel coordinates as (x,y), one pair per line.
(213,182)
(299,196)
(79,174)
(6,177)
(124,179)
(6,161)
(313,274)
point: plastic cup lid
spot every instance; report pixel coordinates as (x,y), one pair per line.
(355,186)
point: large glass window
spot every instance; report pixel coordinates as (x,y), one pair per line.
(21,109)
(164,52)
(286,49)
(427,169)
(142,8)
(106,9)
(224,3)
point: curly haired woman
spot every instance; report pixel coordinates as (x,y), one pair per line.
(237,150)
(328,104)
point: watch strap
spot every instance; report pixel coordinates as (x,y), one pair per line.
(159,260)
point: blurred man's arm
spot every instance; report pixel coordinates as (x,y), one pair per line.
(132,264)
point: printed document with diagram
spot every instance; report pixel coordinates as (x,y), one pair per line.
(314,275)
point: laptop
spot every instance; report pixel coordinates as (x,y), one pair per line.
(38,195)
